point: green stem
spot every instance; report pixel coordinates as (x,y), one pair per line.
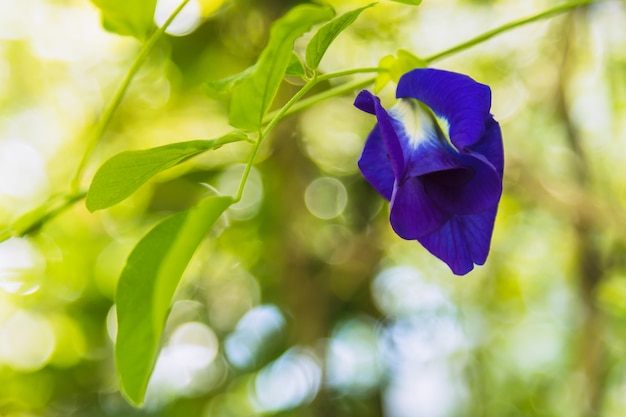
(247,169)
(331,75)
(506,27)
(324,95)
(33,220)
(108,112)
(275,118)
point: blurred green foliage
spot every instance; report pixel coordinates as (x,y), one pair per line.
(303,302)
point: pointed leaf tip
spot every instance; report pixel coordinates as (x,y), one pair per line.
(325,36)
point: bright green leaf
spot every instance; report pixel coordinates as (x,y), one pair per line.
(411,2)
(405,62)
(125,172)
(127,17)
(295,67)
(384,76)
(326,35)
(253,96)
(394,68)
(146,288)
(408,61)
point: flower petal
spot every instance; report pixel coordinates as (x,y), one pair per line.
(413,213)
(490,146)
(457,98)
(369,103)
(462,241)
(425,147)
(473,189)
(459,183)
(375,164)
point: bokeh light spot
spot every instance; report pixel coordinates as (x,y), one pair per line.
(22,171)
(353,363)
(254,332)
(336,147)
(402,291)
(21,267)
(288,382)
(26,341)
(326,198)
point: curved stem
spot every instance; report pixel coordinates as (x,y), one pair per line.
(35,219)
(324,95)
(506,27)
(108,112)
(331,75)
(275,118)
(247,169)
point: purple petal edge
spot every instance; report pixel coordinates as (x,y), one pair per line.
(463,102)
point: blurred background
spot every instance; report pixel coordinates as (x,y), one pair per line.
(304,302)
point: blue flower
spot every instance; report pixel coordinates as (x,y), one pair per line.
(444,189)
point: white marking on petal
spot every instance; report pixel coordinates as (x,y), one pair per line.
(417,124)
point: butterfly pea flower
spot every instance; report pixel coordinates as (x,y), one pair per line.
(443,186)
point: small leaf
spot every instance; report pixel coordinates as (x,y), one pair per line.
(411,2)
(326,35)
(295,67)
(125,172)
(127,17)
(406,62)
(253,96)
(394,68)
(225,85)
(384,77)
(146,288)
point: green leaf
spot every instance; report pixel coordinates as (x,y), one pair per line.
(295,67)
(127,17)
(225,85)
(253,96)
(326,35)
(125,172)
(146,288)
(219,88)
(396,67)
(411,2)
